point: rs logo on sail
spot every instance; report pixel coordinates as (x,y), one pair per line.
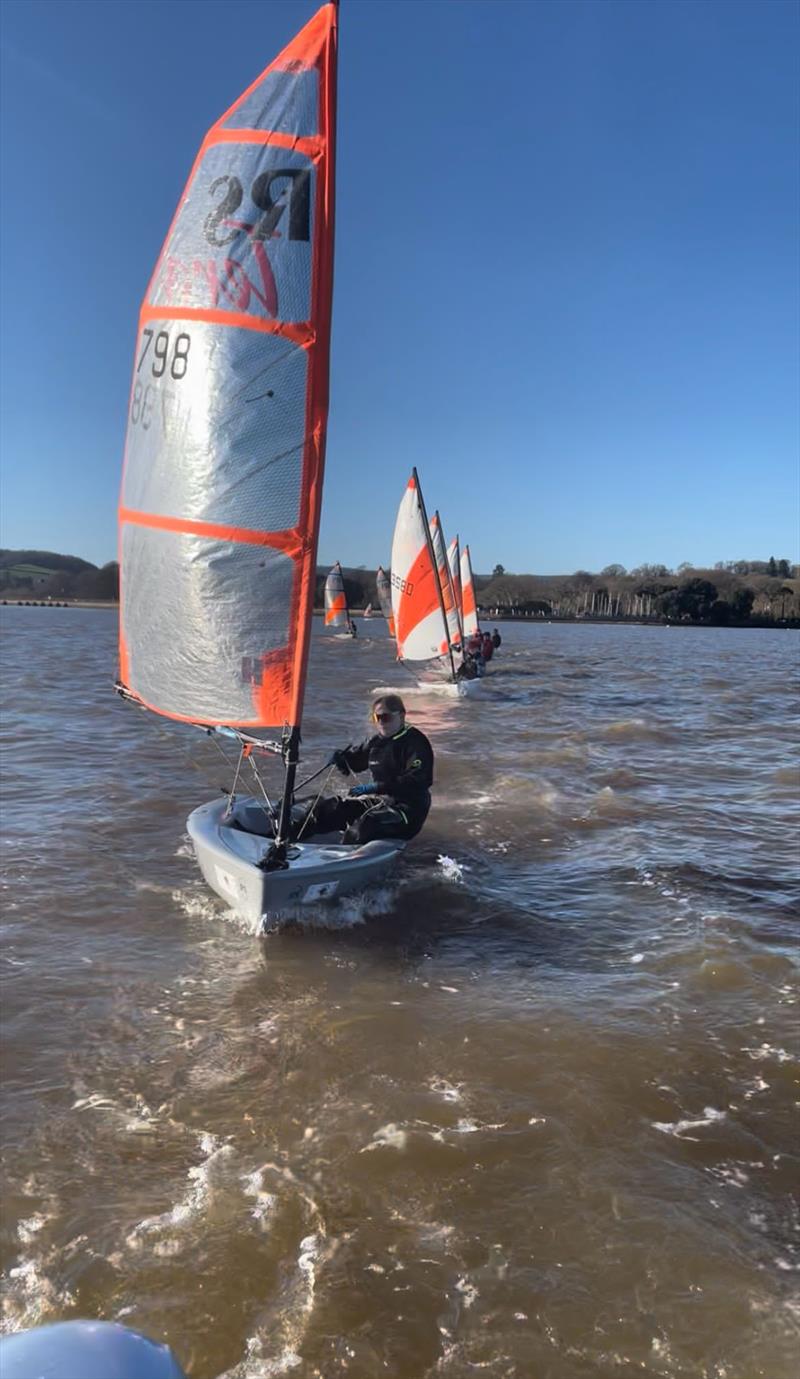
(229,282)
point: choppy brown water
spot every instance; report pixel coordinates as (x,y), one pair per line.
(532,1117)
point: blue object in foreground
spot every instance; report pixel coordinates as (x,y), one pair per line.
(85,1350)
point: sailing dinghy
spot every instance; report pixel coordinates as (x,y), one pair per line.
(427,630)
(337,614)
(224,458)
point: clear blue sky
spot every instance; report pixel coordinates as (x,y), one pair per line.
(566,265)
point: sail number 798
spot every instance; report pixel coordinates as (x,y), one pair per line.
(179,362)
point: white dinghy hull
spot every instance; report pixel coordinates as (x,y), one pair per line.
(318,871)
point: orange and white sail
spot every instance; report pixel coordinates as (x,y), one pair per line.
(384,588)
(337,613)
(420,626)
(445,580)
(454,565)
(225,448)
(468,604)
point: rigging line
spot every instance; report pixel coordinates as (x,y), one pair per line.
(310,813)
(232,796)
(262,787)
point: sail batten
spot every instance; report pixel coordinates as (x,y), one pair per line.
(224,456)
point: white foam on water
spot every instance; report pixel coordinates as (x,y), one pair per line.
(765,1051)
(446,1090)
(166,1228)
(30,1227)
(199,904)
(758,1084)
(450,869)
(30,1297)
(467,1290)
(389,1136)
(678,1128)
(288,1332)
(253,1186)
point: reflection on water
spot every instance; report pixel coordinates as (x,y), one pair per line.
(527,1108)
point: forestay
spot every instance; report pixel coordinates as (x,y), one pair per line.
(224,457)
(336,611)
(470,611)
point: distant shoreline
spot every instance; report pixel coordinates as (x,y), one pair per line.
(767,624)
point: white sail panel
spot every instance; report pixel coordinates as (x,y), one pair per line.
(419,625)
(336,612)
(446,583)
(468,595)
(384,588)
(225,445)
(454,564)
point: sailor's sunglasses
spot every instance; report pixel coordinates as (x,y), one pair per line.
(384,717)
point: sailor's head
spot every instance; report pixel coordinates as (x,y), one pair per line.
(388,714)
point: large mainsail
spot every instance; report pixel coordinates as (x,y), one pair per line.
(470,611)
(445,580)
(419,615)
(384,587)
(336,610)
(222,484)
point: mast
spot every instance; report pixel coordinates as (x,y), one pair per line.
(322,304)
(432,555)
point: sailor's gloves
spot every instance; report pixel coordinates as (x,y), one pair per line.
(339,760)
(356,790)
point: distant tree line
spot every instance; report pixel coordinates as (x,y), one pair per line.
(47,575)
(734,591)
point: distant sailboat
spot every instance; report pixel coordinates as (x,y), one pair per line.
(425,638)
(224,459)
(337,614)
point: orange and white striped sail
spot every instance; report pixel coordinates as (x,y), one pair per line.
(446,583)
(384,588)
(454,565)
(470,620)
(225,448)
(420,628)
(336,610)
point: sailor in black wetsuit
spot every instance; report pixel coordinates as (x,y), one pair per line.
(396,804)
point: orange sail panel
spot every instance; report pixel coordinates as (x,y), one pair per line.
(225,447)
(336,611)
